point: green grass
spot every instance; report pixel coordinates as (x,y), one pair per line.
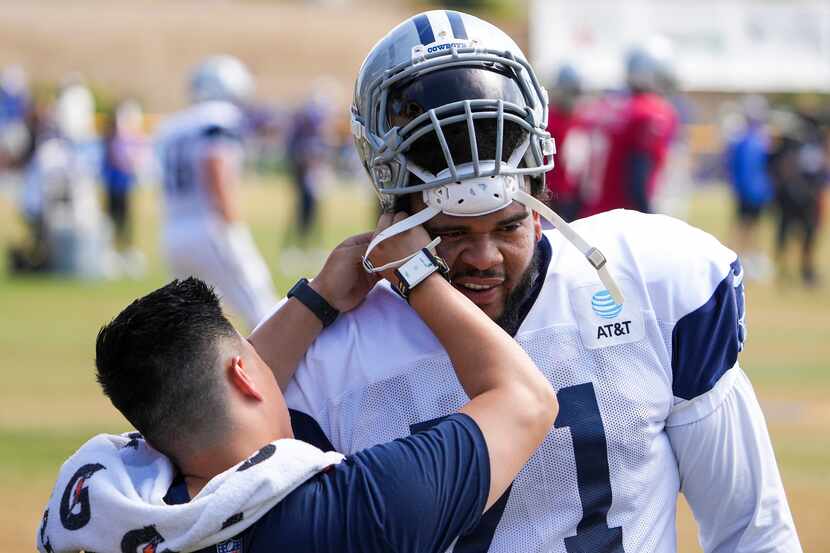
(50,403)
(29,455)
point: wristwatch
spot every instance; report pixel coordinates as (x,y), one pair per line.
(316,303)
(416,270)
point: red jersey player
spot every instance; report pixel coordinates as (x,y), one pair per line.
(561,182)
(629,137)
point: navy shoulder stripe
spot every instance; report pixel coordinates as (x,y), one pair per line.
(218,131)
(424,29)
(706,342)
(308,430)
(457,25)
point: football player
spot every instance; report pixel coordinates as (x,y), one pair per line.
(640,339)
(629,136)
(561,183)
(200,152)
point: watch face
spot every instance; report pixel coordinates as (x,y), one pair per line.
(416,269)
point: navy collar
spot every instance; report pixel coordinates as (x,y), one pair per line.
(544,253)
(177,494)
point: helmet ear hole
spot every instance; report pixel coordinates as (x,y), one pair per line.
(538,189)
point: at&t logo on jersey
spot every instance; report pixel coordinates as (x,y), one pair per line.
(604,306)
(602,321)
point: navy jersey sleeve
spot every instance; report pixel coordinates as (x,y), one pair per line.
(416,494)
(706,342)
(218,132)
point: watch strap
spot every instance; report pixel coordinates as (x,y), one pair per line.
(315,303)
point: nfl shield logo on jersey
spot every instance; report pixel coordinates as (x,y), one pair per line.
(602,321)
(231,546)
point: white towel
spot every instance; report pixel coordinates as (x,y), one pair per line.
(109,496)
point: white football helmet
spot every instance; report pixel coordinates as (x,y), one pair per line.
(447,105)
(650,66)
(221,78)
(74,112)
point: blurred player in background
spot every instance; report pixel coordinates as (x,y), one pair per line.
(59,201)
(629,138)
(641,339)
(798,169)
(201,155)
(15,104)
(675,182)
(561,184)
(307,148)
(746,160)
(124,145)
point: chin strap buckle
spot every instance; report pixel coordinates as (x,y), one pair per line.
(596,258)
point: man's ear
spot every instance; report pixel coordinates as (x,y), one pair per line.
(241,380)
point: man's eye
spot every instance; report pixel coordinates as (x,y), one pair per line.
(451,234)
(511,227)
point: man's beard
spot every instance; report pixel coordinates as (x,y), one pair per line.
(513,313)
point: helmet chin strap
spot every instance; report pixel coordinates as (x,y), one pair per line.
(476,196)
(401,226)
(592,254)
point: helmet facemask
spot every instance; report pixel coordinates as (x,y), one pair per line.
(452,91)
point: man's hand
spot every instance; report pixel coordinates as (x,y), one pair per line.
(342,281)
(399,246)
(284,338)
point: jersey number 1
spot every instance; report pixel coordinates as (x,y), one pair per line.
(579,411)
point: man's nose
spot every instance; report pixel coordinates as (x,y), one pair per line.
(482,252)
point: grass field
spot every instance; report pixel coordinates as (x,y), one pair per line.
(50,403)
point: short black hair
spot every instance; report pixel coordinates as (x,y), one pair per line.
(157,362)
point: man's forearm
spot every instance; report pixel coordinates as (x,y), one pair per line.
(512,403)
(482,353)
(283,339)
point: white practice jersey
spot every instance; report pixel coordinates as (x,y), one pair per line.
(183,143)
(197,241)
(651,398)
